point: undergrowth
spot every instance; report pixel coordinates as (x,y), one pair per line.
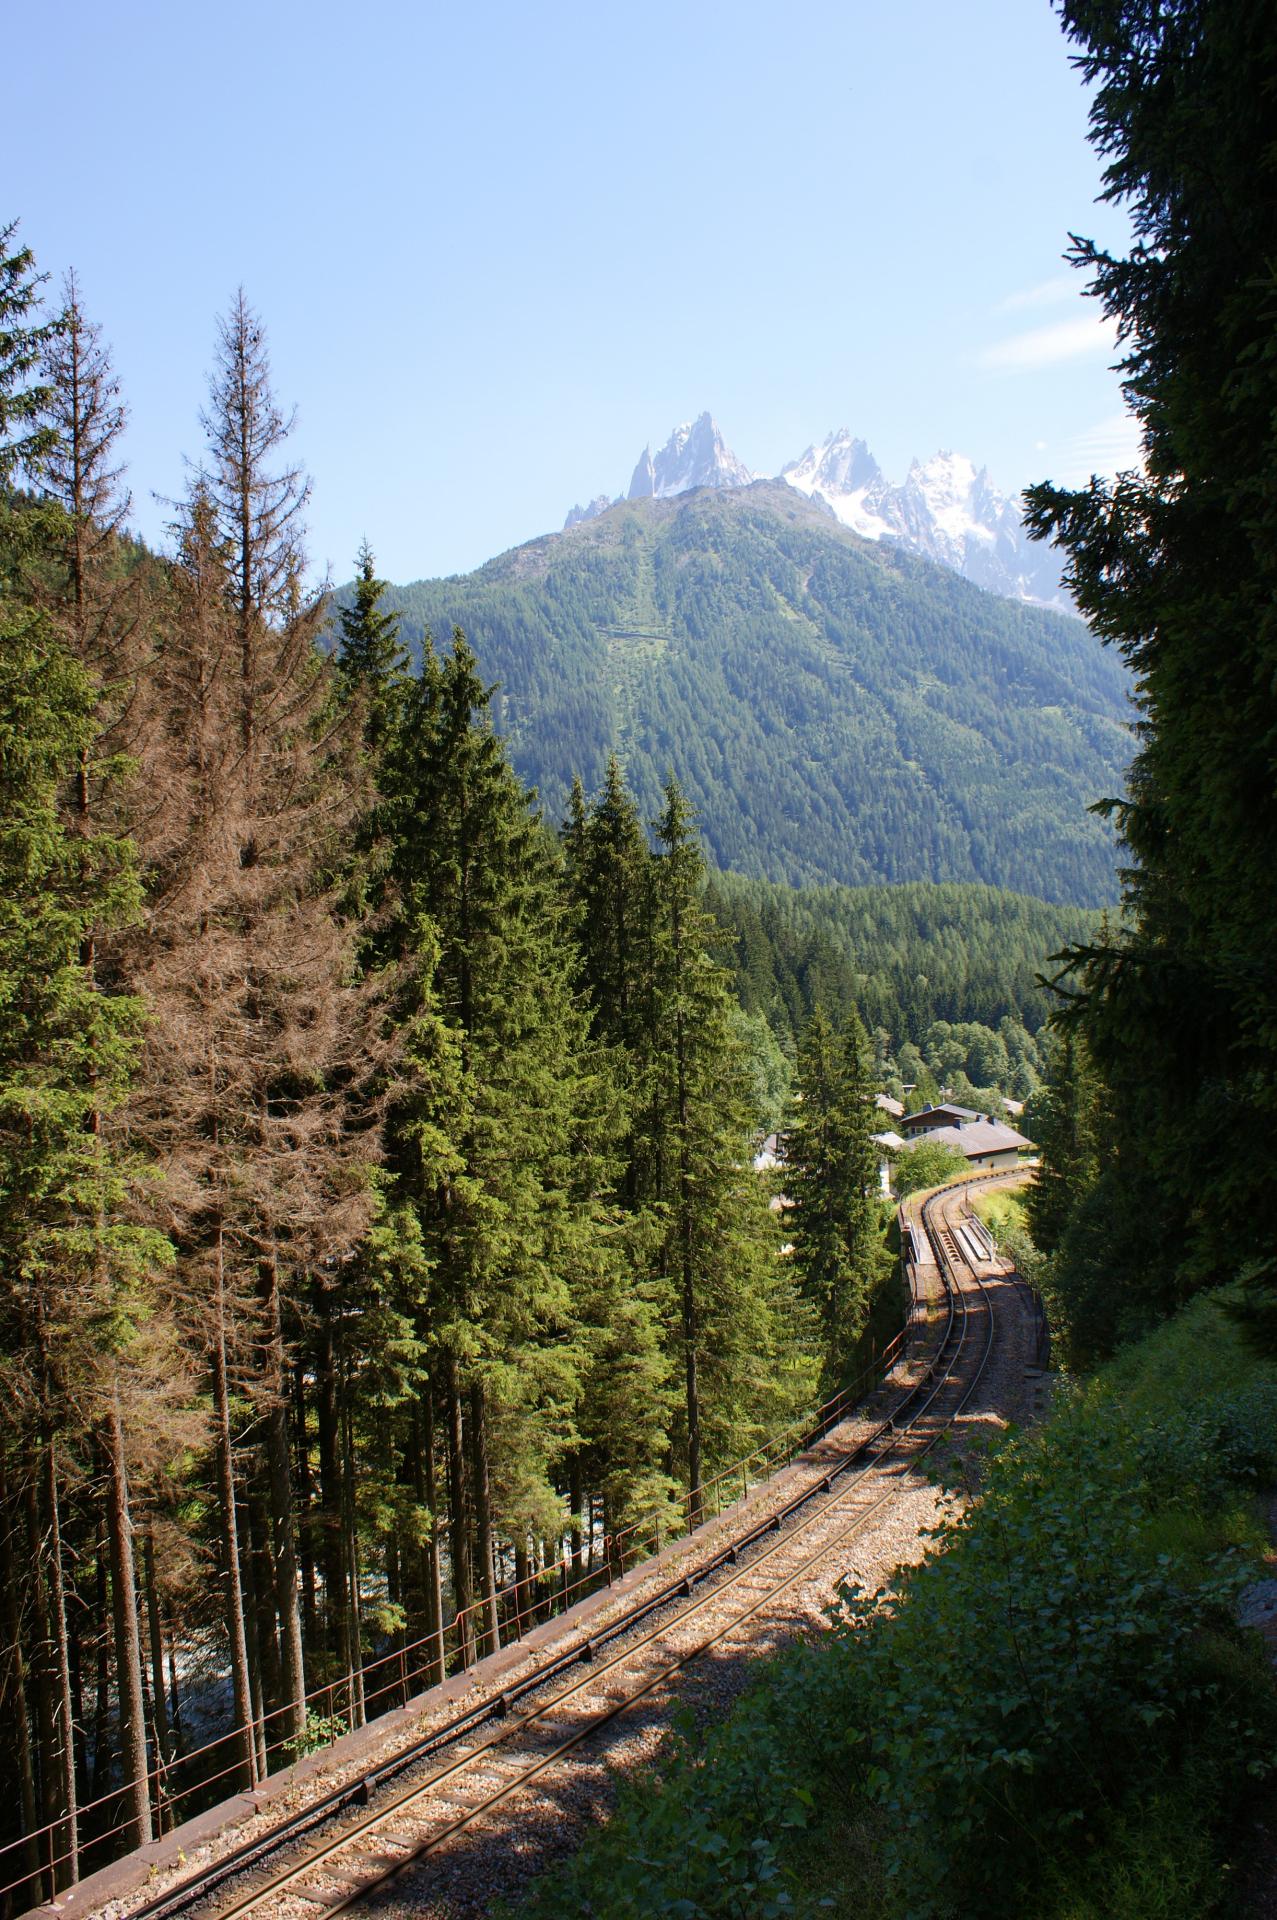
(1054,1715)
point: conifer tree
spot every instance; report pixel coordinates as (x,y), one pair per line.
(1066,1128)
(628,1390)
(719,1248)
(258,498)
(26,434)
(831,1176)
(1176,565)
(262,1041)
(510,1212)
(76,1270)
(372,662)
(81,469)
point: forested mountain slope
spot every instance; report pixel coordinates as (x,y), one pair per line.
(838,711)
(904,956)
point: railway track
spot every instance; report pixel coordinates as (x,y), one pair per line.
(337,1854)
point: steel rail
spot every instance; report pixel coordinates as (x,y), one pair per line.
(182,1897)
(374,1882)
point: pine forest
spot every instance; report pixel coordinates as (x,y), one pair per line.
(383,1253)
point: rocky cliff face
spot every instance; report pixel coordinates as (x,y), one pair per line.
(693,456)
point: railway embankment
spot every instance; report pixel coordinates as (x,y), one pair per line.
(1058,1712)
(494,1803)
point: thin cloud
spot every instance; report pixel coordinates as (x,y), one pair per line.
(1109,447)
(1047,293)
(1051,346)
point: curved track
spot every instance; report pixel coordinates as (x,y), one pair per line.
(333,1857)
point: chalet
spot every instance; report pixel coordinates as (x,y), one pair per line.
(885,1104)
(987,1144)
(927,1119)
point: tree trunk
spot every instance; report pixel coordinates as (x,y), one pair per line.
(305,1505)
(102,1667)
(236,1635)
(75,1642)
(155,1634)
(250,1574)
(483,1513)
(13,1689)
(38,1667)
(435,1567)
(174,1695)
(331,1555)
(522,1583)
(462,1579)
(576,1500)
(350,1539)
(291,1723)
(68,1834)
(264,1624)
(128,1652)
(691,1330)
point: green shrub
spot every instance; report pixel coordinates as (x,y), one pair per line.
(1053,1715)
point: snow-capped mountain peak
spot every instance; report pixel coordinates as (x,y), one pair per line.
(841,463)
(844,474)
(694,456)
(946,509)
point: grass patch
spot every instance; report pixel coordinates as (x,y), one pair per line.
(1000,1210)
(1054,1715)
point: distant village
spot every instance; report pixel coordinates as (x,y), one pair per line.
(987,1143)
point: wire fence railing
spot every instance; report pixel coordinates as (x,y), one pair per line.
(46,1860)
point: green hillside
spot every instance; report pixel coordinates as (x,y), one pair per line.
(905,956)
(836,711)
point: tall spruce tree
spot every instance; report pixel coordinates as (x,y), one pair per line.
(26,434)
(372,661)
(1177,567)
(511,1210)
(628,1388)
(728,1307)
(77,1271)
(831,1176)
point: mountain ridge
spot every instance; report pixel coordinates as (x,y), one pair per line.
(945,509)
(837,709)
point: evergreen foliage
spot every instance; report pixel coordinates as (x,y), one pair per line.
(26,333)
(371,663)
(1176,567)
(831,1175)
(930,965)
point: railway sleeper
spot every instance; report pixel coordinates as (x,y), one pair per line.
(330,1893)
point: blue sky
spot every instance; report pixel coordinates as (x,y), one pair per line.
(498,249)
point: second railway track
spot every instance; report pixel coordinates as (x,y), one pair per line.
(330,1860)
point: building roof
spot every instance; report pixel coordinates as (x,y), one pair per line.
(945,1106)
(891,1141)
(1014,1107)
(886,1104)
(975,1138)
